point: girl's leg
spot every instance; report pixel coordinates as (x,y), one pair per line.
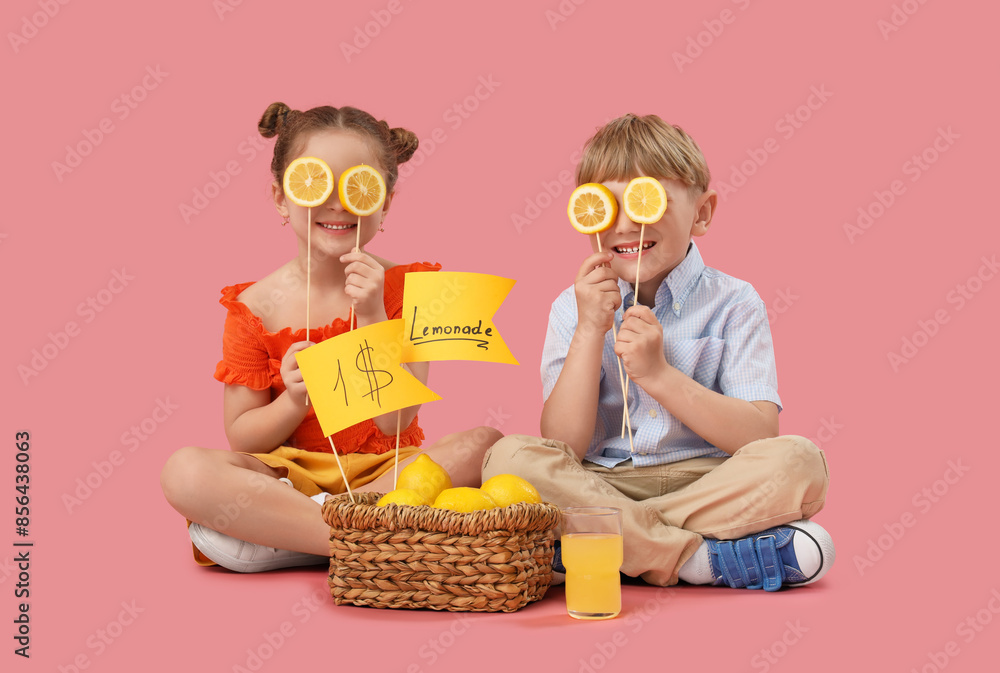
(460,453)
(240,496)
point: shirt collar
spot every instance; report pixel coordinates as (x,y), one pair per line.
(676,287)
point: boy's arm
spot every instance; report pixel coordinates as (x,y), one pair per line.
(570,411)
(726,422)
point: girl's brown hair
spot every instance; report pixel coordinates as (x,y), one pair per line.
(391,146)
(630,146)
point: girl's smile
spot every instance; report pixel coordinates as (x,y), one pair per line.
(333,228)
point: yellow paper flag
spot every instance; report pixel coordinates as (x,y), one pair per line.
(356,376)
(449,316)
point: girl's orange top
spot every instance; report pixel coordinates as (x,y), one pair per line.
(251,357)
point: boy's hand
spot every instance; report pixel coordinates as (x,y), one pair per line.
(364,285)
(597,293)
(640,344)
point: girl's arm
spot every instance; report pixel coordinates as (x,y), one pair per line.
(255,424)
(365,282)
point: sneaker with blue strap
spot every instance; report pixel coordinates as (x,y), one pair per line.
(795,554)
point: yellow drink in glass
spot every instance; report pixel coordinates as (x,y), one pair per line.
(593,585)
(592,553)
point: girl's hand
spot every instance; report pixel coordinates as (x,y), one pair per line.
(597,294)
(291,375)
(365,284)
(640,344)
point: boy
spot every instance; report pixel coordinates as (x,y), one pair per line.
(710,494)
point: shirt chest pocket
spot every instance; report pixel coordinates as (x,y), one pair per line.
(697,358)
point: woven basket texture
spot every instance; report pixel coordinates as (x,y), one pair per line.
(496,560)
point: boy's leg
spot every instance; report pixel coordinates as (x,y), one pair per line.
(764,484)
(653,550)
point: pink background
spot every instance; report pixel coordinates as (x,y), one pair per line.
(839,306)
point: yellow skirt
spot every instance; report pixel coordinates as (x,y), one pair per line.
(313,472)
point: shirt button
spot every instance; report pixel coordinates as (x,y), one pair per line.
(652,413)
(677,306)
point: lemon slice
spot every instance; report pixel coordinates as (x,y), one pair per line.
(592,208)
(308,181)
(644,200)
(361,190)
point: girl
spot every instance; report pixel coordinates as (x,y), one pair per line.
(243,514)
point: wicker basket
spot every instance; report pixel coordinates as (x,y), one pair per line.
(421,557)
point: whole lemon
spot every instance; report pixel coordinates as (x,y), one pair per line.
(464,499)
(506,489)
(425,477)
(402,496)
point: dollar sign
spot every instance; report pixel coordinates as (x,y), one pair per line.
(364,364)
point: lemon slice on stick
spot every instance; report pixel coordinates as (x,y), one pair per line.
(361,190)
(308,182)
(592,208)
(644,200)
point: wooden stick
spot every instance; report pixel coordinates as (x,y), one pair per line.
(342,475)
(395,468)
(622,379)
(357,246)
(399,412)
(638,262)
(308,276)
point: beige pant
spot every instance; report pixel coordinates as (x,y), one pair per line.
(666,509)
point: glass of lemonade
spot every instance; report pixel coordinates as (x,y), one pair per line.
(592,554)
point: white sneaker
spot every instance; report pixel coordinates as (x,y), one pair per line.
(246,557)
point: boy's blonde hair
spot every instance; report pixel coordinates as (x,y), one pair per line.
(631,146)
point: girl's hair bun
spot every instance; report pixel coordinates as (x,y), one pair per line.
(289,127)
(273,119)
(404,143)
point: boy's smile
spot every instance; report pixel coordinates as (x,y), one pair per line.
(664,243)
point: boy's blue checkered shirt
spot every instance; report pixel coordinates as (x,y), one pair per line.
(715,331)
